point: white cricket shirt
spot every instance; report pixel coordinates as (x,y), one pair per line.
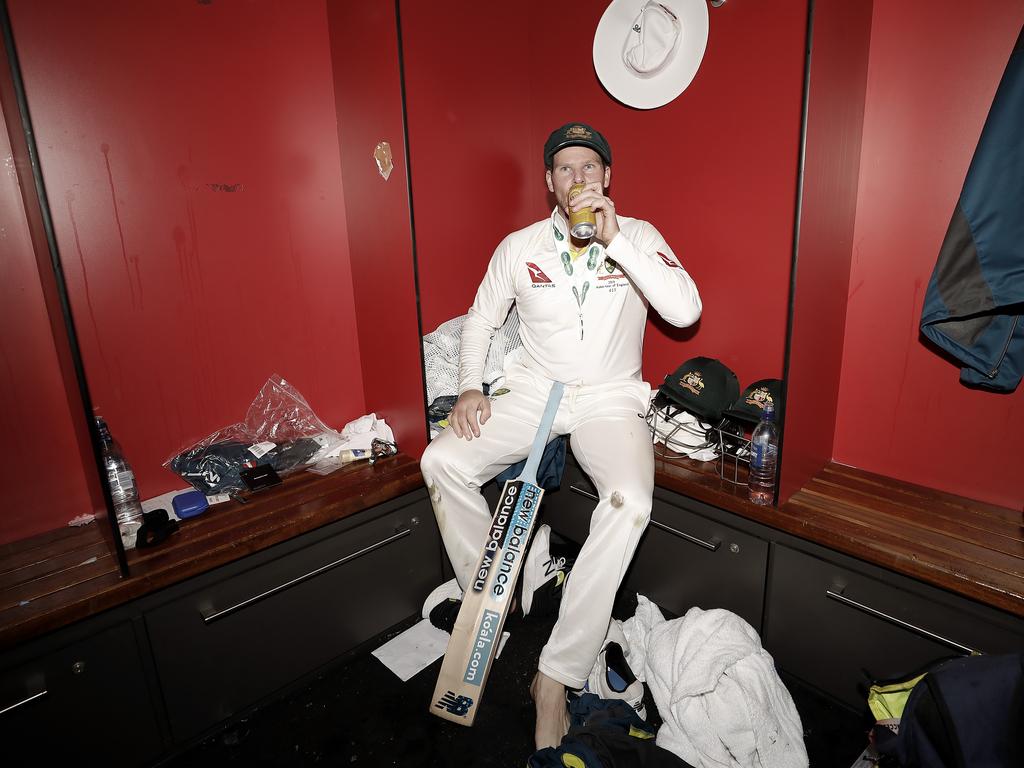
(586,327)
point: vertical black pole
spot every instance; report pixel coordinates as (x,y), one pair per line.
(796,233)
(412,217)
(58,274)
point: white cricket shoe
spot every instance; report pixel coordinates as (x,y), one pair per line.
(541,569)
(612,678)
(442,605)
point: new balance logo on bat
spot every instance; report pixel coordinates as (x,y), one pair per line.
(456,705)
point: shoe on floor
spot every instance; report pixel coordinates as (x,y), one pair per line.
(442,605)
(444,614)
(612,678)
(543,572)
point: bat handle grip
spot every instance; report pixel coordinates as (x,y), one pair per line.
(543,432)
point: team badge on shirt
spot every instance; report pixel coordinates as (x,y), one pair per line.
(611,270)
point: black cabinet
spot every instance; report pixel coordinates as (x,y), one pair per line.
(87,701)
(829,619)
(245,631)
(687,560)
(569,509)
(835,622)
(155,673)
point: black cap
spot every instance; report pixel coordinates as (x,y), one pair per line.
(703,386)
(576,135)
(749,407)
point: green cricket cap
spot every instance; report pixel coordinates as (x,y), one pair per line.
(576,135)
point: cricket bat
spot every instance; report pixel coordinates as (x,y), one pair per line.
(477,631)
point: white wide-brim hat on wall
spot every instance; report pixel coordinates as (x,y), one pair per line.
(647,51)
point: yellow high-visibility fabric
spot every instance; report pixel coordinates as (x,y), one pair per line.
(887,701)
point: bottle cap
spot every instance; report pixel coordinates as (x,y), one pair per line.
(102,428)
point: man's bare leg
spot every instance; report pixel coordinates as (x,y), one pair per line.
(552,715)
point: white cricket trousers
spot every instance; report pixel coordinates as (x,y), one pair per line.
(610,439)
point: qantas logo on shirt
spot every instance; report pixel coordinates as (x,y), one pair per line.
(668,261)
(536,273)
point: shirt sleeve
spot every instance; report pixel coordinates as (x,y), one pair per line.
(652,266)
(493,300)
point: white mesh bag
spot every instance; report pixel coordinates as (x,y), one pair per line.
(441,355)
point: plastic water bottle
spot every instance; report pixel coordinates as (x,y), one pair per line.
(764,458)
(123,489)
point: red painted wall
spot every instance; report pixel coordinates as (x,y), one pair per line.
(714,170)
(839,57)
(191,159)
(46,484)
(934,67)
(364,42)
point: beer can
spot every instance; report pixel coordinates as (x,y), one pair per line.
(582,223)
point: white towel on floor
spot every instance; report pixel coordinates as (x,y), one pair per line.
(721,701)
(636,629)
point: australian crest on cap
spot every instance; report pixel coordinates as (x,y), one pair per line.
(693,381)
(760,397)
(577,132)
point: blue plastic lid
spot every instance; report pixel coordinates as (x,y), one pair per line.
(189,504)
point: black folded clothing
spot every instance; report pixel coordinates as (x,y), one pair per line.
(215,468)
(156,527)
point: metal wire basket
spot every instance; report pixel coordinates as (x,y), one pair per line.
(678,435)
(677,431)
(733,461)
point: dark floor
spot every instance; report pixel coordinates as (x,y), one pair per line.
(361,714)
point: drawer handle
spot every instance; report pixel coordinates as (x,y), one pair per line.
(712,545)
(23,702)
(211,614)
(584,492)
(839,597)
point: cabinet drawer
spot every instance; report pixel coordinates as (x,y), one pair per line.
(88,700)
(834,626)
(686,560)
(228,645)
(569,509)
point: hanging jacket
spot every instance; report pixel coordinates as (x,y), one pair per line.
(975,299)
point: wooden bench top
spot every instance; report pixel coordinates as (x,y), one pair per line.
(66,575)
(967,547)
(958,544)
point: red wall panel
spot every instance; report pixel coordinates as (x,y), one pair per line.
(714,170)
(839,60)
(368,95)
(191,160)
(475,158)
(934,67)
(46,485)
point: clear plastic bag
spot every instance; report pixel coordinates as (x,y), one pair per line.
(281,414)
(280,430)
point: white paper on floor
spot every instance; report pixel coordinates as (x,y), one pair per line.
(415,649)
